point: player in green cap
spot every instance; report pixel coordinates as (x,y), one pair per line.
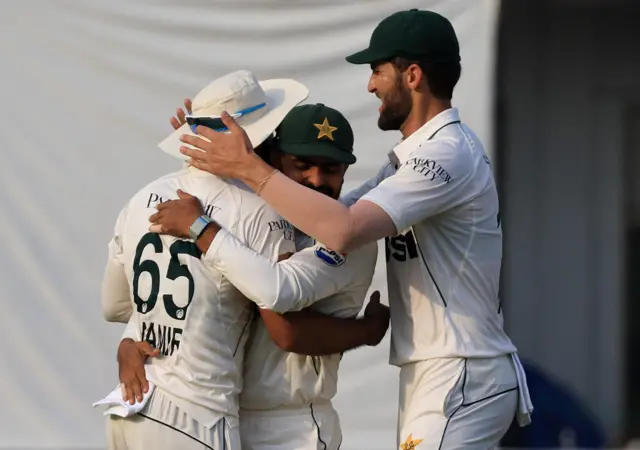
(291,363)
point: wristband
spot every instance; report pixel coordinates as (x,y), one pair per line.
(197,227)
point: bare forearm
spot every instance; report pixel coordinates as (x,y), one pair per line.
(314,334)
(316,214)
(329,335)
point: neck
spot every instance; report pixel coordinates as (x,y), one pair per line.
(421,113)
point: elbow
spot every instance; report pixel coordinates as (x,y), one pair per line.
(111,316)
(114,314)
(340,245)
(273,304)
(284,332)
(286,339)
(343,239)
(279,305)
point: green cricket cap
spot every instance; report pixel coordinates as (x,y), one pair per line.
(316,131)
(414,34)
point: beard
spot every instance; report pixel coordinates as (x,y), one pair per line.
(324,189)
(396,106)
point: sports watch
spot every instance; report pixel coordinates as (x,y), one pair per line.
(197,227)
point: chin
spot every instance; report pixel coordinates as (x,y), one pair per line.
(386,126)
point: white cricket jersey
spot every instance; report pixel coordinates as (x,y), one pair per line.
(193,314)
(331,283)
(443,267)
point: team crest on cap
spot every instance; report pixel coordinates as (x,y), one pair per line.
(330,257)
(410,443)
(325,129)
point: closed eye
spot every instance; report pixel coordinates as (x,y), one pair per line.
(303,167)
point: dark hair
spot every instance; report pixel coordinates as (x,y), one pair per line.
(441,77)
(264,150)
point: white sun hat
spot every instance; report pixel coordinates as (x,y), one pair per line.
(258,107)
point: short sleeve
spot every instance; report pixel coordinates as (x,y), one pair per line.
(435,178)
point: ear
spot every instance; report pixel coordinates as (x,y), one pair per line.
(414,76)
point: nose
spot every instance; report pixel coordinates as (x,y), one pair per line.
(371,87)
(316,177)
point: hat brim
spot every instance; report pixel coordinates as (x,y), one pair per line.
(368,56)
(282,96)
(318,149)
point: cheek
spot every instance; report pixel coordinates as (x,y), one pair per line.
(379,82)
(386,88)
(335,181)
(297,176)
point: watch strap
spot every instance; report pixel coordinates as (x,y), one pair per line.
(197,227)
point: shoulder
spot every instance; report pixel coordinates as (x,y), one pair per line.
(255,217)
(157,190)
(220,195)
(387,169)
(254,208)
(446,159)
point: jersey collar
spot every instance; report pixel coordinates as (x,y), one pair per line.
(401,152)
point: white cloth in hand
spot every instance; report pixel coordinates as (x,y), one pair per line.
(525,406)
(118,407)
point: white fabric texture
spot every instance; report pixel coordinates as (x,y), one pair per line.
(117,406)
(87,90)
(312,427)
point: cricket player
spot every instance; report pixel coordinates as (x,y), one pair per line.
(435,202)
(193,316)
(286,397)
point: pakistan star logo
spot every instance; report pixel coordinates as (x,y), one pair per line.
(325,129)
(410,443)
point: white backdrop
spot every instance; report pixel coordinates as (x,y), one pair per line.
(87,90)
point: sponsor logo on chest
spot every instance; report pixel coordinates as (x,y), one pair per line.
(401,248)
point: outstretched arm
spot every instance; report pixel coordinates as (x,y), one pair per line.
(436,177)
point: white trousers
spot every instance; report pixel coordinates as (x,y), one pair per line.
(312,427)
(454,403)
(162,426)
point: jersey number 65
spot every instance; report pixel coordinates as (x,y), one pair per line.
(174,271)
